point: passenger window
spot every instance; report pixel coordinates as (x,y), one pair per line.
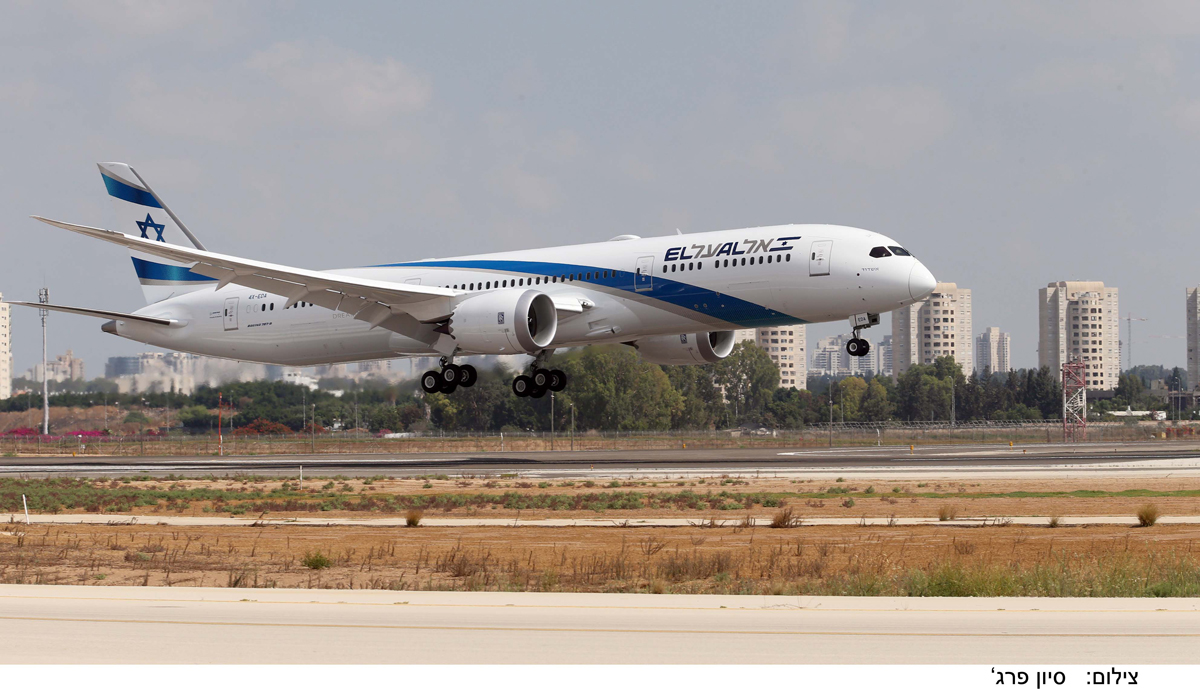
(699,265)
(900,251)
(880,252)
(770,258)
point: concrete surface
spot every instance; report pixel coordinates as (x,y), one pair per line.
(107,624)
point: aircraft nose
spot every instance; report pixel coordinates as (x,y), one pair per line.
(920,282)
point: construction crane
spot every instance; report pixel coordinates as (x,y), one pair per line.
(1129,320)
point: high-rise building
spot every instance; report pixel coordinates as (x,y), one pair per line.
(5,352)
(936,327)
(1080,320)
(992,351)
(884,357)
(830,358)
(786,346)
(1193,337)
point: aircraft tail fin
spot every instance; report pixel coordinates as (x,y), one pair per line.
(142,212)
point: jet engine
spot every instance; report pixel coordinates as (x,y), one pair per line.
(685,349)
(504,322)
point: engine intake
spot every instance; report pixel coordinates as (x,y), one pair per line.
(503,322)
(686,349)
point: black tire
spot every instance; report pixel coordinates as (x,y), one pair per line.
(522,386)
(538,392)
(541,377)
(469,376)
(451,374)
(431,381)
(853,346)
(448,387)
(866,347)
(558,380)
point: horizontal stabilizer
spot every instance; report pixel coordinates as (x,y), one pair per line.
(103,314)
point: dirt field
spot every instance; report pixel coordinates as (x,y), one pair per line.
(996,559)
(819,560)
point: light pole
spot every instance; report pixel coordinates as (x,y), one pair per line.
(551,420)
(572,426)
(314,428)
(44,297)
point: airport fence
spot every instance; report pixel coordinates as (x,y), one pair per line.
(848,434)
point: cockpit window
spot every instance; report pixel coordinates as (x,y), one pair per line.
(878,252)
(900,251)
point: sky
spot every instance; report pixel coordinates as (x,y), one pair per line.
(1006,144)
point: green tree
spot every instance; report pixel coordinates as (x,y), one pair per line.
(875,406)
(749,380)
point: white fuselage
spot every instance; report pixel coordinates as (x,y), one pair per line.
(633,288)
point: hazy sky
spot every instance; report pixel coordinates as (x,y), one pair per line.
(1007,144)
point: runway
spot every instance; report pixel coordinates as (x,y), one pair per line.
(98,624)
(1042,460)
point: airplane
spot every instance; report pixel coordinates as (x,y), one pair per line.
(676,299)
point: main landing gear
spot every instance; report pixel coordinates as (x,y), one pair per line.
(541,381)
(449,378)
(858,347)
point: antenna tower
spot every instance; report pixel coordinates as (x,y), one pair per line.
(1074,408)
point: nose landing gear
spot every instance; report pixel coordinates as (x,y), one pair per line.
(858,347)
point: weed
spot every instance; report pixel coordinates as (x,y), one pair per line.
(786,519)
(947,512)
(869,490)
(840,479)
(1147,515)
(412,518)
(1054,522)
(848,502)
(316,561)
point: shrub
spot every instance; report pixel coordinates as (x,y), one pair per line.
(848,502)
(786,519)
(869,490)
(947,513)
(1054,522)
(1147,515)
(412,519)
(316,560)
(263,426)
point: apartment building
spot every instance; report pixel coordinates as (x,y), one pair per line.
(936,327)
(992,349)
(786,346)
(1080,320)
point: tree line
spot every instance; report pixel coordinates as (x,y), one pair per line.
(611,388)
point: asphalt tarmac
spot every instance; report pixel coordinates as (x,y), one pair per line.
(931,461)
(109,624)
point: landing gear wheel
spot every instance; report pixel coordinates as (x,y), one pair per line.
(448,387)
(538,392)
(469,376)
(522,386)
(431,382)
(558,380)
(857,347)
(541,378)
(452,375)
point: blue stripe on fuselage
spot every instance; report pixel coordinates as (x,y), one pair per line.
(707,302)
(121,190)
(153,271)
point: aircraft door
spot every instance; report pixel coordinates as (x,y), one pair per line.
(231,310)
(643,274)
(818,258)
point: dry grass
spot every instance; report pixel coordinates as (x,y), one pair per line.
(1054,522)
(1147,515)
(786,519)
(852,560)
(947,512)
(412,518)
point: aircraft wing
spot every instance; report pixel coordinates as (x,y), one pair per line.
(103,314)
(401,307)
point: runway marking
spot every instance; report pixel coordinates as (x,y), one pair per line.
(549,629)
(770,608)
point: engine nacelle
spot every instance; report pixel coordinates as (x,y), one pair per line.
(504,322)
(686,349)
